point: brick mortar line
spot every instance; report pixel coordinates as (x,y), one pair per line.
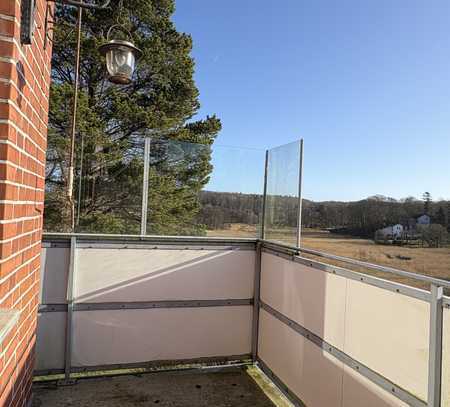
(13,202)
(2,280)
(42,96)
(17,332)
(11,164)
(19,252)
(22,54)
(24,116)
(24,152)
(13,61)
(30,288)
(25,136)
(15,184)
(24,218)
(17,237)
(9,81)
(9,122)
(9,18)
(14,354)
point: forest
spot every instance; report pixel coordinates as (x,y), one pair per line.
(359,218)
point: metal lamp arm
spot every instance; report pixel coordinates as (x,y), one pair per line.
(82,4)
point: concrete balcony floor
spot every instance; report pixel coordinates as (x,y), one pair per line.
(236,386)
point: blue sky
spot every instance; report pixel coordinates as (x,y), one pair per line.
(365,83)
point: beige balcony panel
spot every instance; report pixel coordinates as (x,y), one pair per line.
(310,297)
(133,336)
(389,333)
(312,374)
(119,275)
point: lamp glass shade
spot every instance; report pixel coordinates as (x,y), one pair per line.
(120,63)
(120,60)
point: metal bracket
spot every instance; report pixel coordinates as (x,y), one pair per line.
(27,23)
(50,16)
(66,382)
(82,4)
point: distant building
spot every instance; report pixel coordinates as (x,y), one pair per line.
(409,230)
(424,220)
(391,232)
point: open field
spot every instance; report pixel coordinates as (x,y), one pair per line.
(428,261)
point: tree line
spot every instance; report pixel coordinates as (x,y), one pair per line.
(359,218)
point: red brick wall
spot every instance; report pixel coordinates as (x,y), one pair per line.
(24,90)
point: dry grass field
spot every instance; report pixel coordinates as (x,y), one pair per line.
(422,260)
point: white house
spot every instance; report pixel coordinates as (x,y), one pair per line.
(424,220)
(394,232)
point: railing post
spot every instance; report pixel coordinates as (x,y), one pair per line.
(435,349)
(263,219)
(256,301)
(144,206)
(300,197)
(69,317)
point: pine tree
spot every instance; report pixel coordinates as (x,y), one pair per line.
(427,202)
(112,120)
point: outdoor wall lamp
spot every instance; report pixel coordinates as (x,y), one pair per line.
(28,11)
(121,56)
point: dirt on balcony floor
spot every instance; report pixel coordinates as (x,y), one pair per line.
(230,387)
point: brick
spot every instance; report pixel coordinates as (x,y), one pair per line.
(22,180)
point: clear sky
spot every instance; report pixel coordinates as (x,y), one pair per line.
(365,83)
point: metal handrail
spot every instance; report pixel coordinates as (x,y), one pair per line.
(295,250)
(390,270)
(431,280)
(152,238)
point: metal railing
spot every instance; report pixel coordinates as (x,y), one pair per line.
(435,297)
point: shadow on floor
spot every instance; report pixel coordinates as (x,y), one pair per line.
(226,388)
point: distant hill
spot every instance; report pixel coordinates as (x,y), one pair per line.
(361,218)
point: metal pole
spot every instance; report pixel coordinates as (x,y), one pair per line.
(69,317)
(435,350)
(300,197)
(80,182)
(256,298)
(74,122)
(144,206)
(263,220)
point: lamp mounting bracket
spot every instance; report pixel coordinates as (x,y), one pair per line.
(82,4)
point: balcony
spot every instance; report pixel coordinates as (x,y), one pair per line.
(135,320)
